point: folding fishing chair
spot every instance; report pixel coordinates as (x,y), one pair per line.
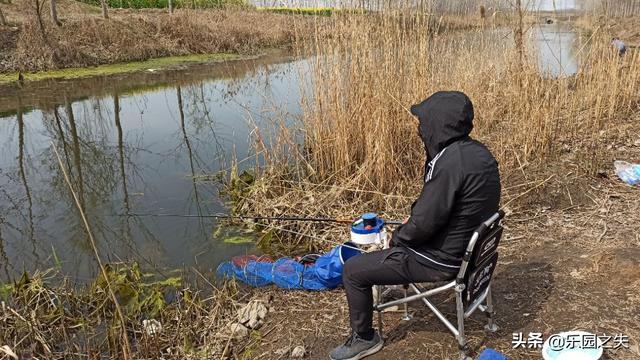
(472,286)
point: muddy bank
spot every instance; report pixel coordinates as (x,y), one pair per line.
(47,93)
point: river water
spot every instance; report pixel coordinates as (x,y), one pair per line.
(147,142)
(144,143)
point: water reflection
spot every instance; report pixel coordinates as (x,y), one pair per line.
(129,149)
(25,183)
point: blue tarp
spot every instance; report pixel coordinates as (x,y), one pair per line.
(287,273)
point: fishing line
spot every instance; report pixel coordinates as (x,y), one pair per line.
(255,218)
(331,242)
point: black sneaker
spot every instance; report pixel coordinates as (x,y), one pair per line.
(356,348)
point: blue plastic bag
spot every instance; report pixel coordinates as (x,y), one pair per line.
(328,267)
(254,273)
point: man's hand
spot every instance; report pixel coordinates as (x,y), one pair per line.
(388,242)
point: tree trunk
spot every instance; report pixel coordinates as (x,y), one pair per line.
(170,6)
(3,21)
(105,11)
(43,31)
(519,35)
(54,13)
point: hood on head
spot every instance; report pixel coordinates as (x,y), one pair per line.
(445,116)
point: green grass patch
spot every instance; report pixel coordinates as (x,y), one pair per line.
(239,240)
(233,234)
(299,11)
(112,69)
(310,11)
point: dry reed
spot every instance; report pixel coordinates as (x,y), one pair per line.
(358,134)
(46,316)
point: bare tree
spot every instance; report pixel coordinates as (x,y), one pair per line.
(38,11)
(519,34)
(54,12)
(170,6)
(105,9)
(3,21)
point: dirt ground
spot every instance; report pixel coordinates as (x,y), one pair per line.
(574,267)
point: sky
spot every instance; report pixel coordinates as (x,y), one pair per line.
(548,5)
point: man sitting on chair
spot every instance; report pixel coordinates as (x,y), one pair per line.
(461,189)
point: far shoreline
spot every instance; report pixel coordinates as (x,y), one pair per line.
(48,92)
(151,65)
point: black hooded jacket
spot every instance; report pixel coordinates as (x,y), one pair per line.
(461,184)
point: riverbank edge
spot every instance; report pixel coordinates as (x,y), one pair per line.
(151,65)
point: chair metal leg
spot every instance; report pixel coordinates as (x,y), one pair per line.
(379,290)
(462,341)
(407,316)
(490,311)
(380,327)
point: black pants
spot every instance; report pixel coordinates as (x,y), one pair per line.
(395,266)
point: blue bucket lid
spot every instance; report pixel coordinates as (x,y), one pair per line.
(358,227)
(369,216)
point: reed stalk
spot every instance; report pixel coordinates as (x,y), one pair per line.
(125,346)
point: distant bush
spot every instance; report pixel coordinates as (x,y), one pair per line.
(159,4)
(301,11)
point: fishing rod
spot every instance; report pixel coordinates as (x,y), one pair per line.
(255,218)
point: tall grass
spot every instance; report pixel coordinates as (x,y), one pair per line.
(364,81)
(458,7)
(361,148)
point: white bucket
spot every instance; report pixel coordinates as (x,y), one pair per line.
(576,351)
(368,239)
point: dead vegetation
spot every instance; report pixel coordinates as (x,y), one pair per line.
(85,39)
(361,150)
(45,316)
